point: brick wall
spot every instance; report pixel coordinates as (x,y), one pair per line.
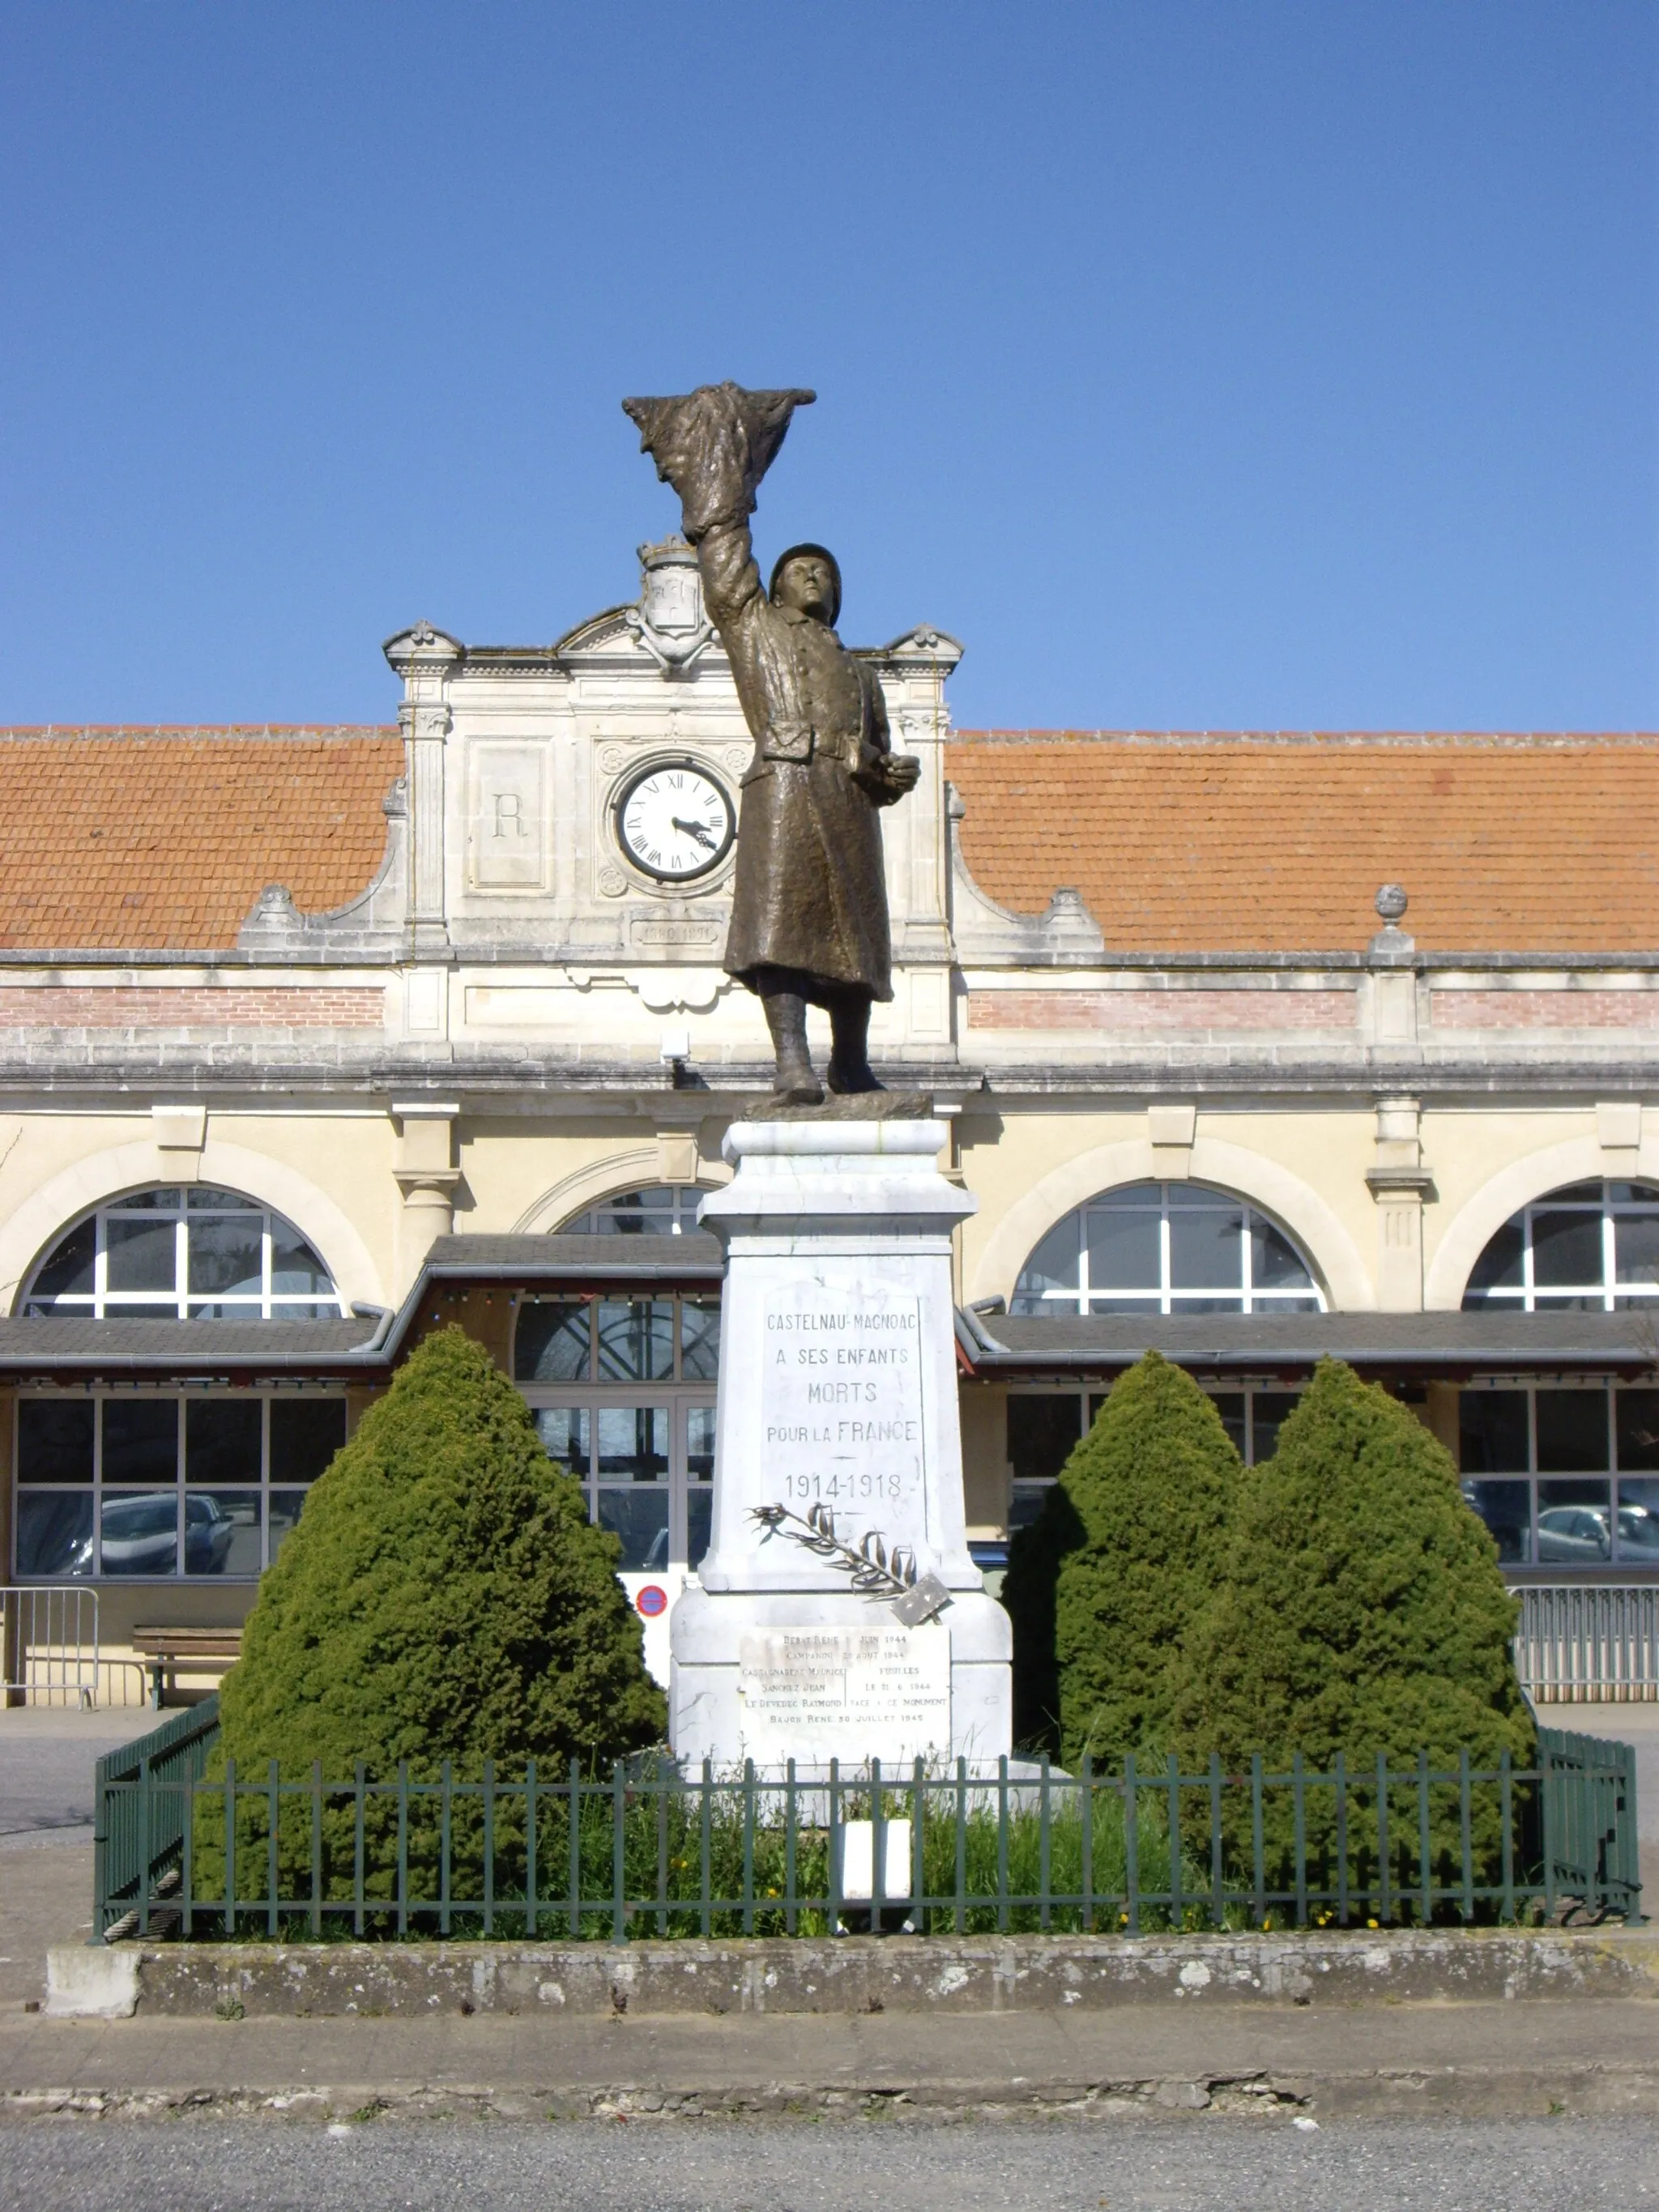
(211,1007)
(1168,1012)
(1545,1010)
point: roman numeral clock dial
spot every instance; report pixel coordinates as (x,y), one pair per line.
(675,822)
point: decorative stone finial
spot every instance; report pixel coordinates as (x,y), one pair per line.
(1391,904)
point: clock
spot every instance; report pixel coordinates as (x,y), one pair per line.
(674,821)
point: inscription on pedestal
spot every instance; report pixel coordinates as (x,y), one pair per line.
(813,1694)
(841,1410)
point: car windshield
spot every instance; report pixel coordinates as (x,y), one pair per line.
(141,1516)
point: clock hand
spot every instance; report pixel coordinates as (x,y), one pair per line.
(696,829)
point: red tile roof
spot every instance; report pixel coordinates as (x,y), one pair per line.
(1220,841)
(162,839)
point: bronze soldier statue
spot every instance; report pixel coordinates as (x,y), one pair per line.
(809,909)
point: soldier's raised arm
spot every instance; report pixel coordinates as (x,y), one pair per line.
(713,446)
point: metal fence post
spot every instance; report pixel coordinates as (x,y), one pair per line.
(1299,1816)
(618,1856)
(1132,1842)
(316,1847)
(358,1851)
(1086,1807)
(532,1912)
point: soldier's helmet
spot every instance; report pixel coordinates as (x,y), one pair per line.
(823,553)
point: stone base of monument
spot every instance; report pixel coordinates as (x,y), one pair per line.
(838,1467)
(814,1676)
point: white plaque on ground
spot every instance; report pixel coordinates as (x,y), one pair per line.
(814,1694)
(841,1413)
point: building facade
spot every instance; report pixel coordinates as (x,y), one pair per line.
(1252,1046)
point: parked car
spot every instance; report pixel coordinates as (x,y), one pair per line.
(1577,1533)
(140,1536)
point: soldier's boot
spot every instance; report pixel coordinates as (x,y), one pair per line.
(786,1018)
(849,1050)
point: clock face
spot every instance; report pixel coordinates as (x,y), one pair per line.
(674,821)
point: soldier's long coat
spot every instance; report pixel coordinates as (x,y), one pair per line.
(809,892)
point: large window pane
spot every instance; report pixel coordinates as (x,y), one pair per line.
(1572,1431)
(566,1436)
(226,1255)
(221,1440)
(700,1444)
(1638,1520)
(71,1266)
(54,1439)
(1492,1432)
(222,1532)
(1638,1430)
(1566,1249)
(1506,1509)
(1636,1249)
(1052,1267)
(141,1254)
(285,1509)
(1574,1523)
(54,1536)
(642,1213)
(640,1517)
(1230,1404)
(1274,1263)
(205,1199)
(1205,1249)
(551,1343)
(140,1440)
(1501,1266)
(305,1435)
(699,1522)
(699,1339)
(1269,1411)
(636,1339)
(632,1443)
(1124,1250)
(139,1532)
(1042,1432)
(294,1267)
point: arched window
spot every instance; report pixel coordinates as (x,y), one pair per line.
(670,1210)
(184,1254)
(1588,1249)
(1170,1248)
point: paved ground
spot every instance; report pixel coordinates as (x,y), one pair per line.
(1214,2164)
(46,1759)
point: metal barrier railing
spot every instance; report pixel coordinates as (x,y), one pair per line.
(1581,1643)
(650,1850)
(49,1644)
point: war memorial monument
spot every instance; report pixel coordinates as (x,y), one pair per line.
(837,1613)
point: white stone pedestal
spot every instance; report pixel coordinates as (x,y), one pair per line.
(838,1389)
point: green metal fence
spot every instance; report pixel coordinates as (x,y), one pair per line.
(648,1850)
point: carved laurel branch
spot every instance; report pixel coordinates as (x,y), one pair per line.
(872,1568)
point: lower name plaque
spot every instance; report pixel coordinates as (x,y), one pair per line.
(814,1694)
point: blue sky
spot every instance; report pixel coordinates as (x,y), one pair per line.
(1198,365)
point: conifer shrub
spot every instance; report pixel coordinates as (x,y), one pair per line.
(1361,1610)
(1101,1586)
(443,1598)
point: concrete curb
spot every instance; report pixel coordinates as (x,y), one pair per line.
(847,1975)
(1473,2091)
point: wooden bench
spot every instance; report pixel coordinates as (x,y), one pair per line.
(166,1650)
